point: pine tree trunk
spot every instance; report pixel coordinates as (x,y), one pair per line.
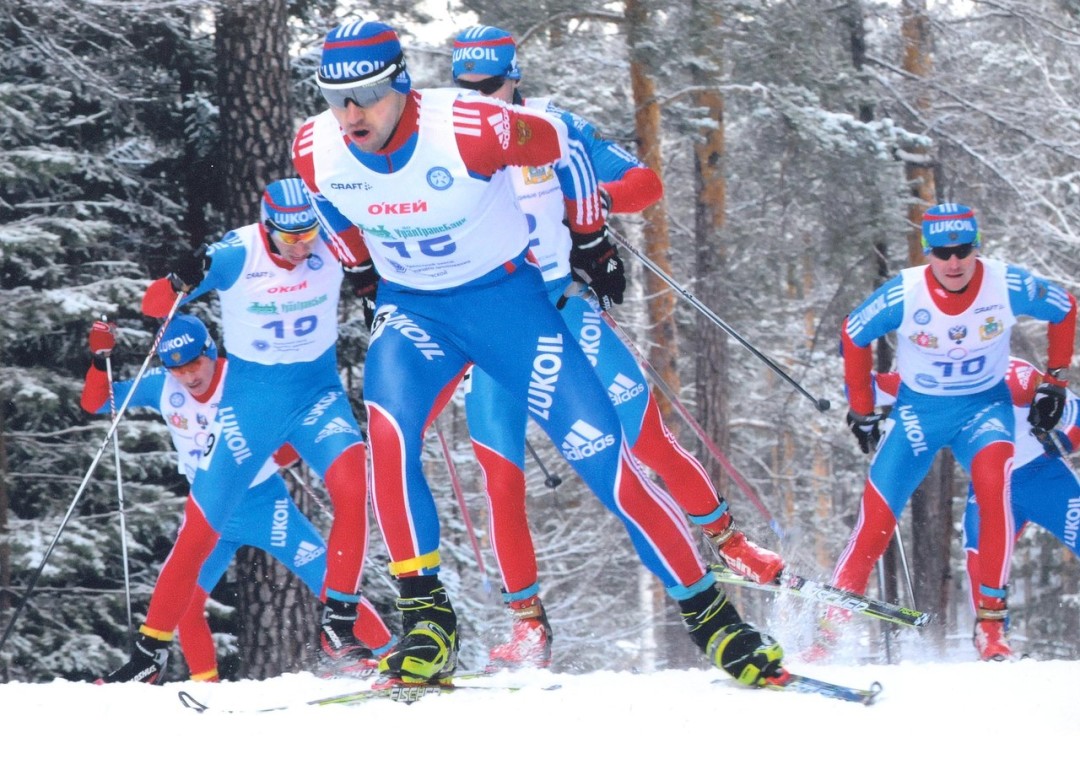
(277,614)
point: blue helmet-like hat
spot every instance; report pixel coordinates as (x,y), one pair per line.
(184,340)
(362,52)
(949,224)
(286,207)
(485,50)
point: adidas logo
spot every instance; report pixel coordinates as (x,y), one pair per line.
(336,426)
(583,440)
(306,553)
(623,389)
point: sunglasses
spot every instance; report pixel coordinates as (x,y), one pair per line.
(292,238)
(960,251)
(488,86)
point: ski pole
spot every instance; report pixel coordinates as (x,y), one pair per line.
(86,478)
(464,507)
(551,480)
(120,502)
(672,396)
(821,403)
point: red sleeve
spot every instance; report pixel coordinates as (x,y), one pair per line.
(158,299)
(638,189)
(1059,352)
(95,392)
(491,136)
(858,363)
(1022,379)
(286,456)
(889,383)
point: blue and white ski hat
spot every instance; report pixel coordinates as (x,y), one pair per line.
(949,224)
(286,207)
(184,340)
(361,53)
(485,50)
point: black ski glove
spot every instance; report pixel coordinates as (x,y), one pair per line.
(190,270)
(594,260)
(1046,407)
(865,429)
(364,282)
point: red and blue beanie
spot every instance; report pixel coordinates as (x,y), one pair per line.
(362,52)
(184,340)
(286,208)
(485,50)
(949,224)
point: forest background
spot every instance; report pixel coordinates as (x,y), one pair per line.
(799,143)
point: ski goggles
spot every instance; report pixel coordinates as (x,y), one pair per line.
(960,251)
(292,238)
(487,86)
(363,94)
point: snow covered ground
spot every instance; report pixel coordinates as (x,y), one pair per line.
(926,709)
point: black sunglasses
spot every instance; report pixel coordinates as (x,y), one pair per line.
(960,251)
(487,86)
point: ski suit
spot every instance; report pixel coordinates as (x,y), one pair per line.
(460,286)
(497,424)
(280,327)
(952,357)
(266,517)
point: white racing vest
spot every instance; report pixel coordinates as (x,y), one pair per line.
(541,198)
(189,423)
(938,354)
(275,316)
(429,225)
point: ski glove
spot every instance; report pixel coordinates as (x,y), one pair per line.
(364,281)
(865,429)
(102,339)
(1046,407)
(594,260)
(190,270)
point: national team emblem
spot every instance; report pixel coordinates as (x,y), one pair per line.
(924,340)
(991,329)
(537,174)
(202,420)
(922,316)
(957,333)
(179,421)
(523,131)
(439,178)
